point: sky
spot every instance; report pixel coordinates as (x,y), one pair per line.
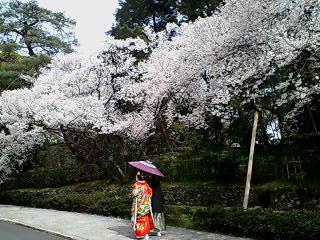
(93,17)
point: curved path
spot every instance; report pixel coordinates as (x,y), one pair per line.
(80,226)
(10,231)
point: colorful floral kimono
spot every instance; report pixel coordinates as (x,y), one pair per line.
(141,209)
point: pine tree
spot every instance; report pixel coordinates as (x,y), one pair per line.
(34,29)
(133,14)
(14,66)
(191,10)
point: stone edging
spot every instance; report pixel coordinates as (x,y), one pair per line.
(58,234)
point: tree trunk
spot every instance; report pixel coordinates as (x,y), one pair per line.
(164,132)
(312,119)
(29,47)
(154,22)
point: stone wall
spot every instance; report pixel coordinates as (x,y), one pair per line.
(278,198)
(288,198)
(203,196)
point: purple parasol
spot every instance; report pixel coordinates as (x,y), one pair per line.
(147,166)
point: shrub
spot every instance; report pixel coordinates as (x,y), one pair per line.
(53,177)
(102,203)
(260,224)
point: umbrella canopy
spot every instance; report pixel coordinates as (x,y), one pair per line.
(147,166)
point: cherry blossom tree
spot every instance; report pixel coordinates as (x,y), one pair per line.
(78,97)
(262,49)
(236,51)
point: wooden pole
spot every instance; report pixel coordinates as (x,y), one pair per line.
(250,163)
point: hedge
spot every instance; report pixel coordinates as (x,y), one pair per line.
(260,224)
(102,203)
(53,177)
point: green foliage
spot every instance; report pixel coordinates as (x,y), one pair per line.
(34,28)
(193,140)
(191,9)
(13,66)
(222,166)
(56,167)
(148,12)
(180,216)
(52,177)
(134,14)
(124,31)
(102,203)
(260,224)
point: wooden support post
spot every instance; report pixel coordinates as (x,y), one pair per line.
(250,163)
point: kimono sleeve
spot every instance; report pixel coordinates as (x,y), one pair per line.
(135,190)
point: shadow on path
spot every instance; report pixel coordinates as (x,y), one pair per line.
(125,231)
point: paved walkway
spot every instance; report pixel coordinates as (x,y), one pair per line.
(80,226)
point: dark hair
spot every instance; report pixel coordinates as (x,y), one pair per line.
(141,176)
(154,181)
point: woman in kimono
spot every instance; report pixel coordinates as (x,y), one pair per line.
(157,202)
(142,218)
